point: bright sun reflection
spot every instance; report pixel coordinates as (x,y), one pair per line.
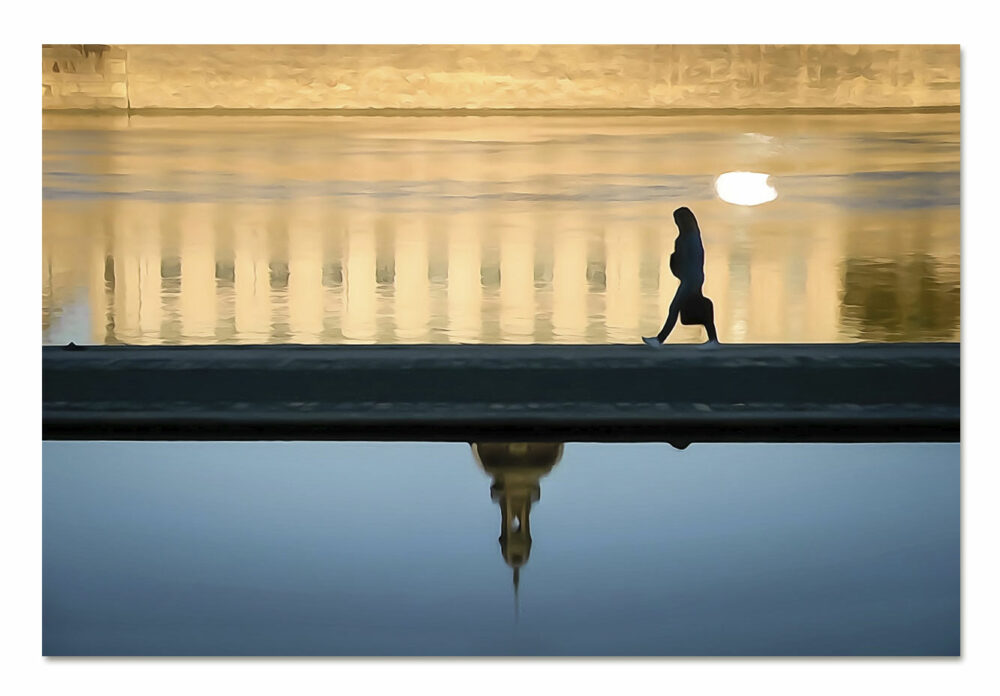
(745,188)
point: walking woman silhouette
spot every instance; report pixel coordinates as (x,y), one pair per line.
(687,263)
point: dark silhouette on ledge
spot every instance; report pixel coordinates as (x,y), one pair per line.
(687,263)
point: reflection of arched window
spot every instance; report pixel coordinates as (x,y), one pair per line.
(904,299)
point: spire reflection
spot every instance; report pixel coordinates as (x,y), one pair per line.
(516,469)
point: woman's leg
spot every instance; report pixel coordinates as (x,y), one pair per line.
(712,336)
(709,321)
(668,325)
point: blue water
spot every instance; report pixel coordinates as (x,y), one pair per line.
(391,549)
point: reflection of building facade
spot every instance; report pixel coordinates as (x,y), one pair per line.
(904,286)
(516,468)
(434,242)
(252,284)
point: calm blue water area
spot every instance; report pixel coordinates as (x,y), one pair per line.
(392,549)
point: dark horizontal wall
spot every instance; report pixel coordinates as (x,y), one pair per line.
(439,392)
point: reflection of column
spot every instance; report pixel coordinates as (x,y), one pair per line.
(569,285)
(333,278)
(622,250)
(767,302)
(359,283)
(517,285)
(150,299)
(252,284)
(465,288)
(412,292)
(47,295)
(96,294)
(305,284)
(650,246)
(197,300)
(738,268)
(717,284)
(137,283)
(822,295)
(668,283)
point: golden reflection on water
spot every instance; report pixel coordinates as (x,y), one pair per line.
(493,229)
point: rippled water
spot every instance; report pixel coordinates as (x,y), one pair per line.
(401,549)
(280,229)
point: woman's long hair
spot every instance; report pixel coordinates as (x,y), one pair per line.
(686,222)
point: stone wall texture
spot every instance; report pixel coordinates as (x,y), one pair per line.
(498,77)
(84,76)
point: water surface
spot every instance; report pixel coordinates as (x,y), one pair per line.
(392,549)
(494,229)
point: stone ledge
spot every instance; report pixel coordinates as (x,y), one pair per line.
(850,392)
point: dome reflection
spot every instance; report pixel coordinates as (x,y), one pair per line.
(516,468)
